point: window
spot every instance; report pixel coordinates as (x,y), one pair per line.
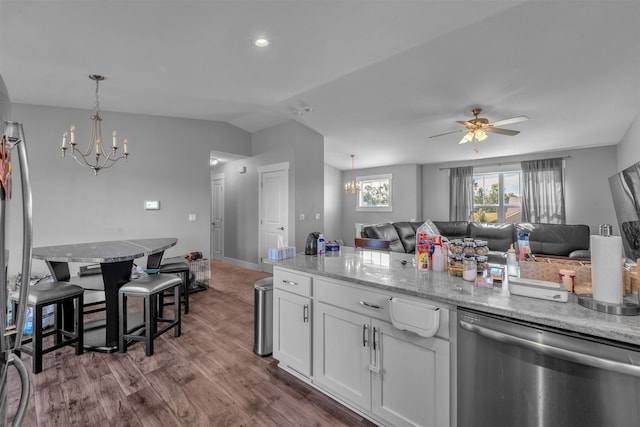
(496,196)
(375,193)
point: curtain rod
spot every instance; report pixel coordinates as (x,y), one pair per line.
(508,163)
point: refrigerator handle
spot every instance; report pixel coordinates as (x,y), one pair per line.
(15,134)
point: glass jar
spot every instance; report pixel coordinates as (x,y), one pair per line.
(469,249)
(456,246)
(469,269)
(481,247)
(482,264)
(455,261)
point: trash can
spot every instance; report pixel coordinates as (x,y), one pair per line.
(263,317)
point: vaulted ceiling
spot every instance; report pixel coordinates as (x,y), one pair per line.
(378,77)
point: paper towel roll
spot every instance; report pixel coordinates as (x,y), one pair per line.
(606,271)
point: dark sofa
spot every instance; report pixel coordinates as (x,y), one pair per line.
(544,239)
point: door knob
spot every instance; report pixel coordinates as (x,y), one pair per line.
(280,228)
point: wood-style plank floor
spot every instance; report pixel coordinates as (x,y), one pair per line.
(209,376)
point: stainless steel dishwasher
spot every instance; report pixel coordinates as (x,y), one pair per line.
(513,373)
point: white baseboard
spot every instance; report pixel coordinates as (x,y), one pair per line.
(241,263)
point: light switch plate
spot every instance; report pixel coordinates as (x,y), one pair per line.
(152,204)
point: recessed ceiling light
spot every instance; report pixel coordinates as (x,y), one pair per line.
(261,42)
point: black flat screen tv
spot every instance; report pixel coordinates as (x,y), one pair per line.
(625,190)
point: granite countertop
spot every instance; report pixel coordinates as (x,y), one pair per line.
(112,251)
(386,271)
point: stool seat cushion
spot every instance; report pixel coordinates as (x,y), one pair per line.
(151,284)
(45,292)
(174,265)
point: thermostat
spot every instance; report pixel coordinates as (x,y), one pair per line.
(151,205)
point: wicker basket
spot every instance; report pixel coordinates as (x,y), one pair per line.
(549,269)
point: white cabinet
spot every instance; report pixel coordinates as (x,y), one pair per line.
(410,377)
(340,338)
(358,356)
(292,320)
(341,342)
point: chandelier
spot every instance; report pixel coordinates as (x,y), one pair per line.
(95,158)
(352,187)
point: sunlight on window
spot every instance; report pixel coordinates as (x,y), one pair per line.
(375,193)
(496,197)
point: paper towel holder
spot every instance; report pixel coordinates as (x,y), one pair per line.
(624,309)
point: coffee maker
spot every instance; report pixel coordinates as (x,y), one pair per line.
(311,247)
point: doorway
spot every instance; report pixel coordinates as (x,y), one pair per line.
(274,210)
(217,216)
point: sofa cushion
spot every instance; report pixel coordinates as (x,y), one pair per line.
(453,229)
(385,232)
(499,237)
(556,239)
(407,235)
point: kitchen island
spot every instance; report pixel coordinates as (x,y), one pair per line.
(420,348)
(393,271)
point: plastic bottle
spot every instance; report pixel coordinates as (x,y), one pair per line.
(512,262)
(321,250)
(523,244)
(438,258)
(424,246)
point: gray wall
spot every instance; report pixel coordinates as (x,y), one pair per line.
(406,199)
(333,190)
(629,147)
(304,150)
(168,162)
(588,198)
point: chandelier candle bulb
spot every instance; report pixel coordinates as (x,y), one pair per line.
(115,142)
(126,147)
(73,134)
(64,141)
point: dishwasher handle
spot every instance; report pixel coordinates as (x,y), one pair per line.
(548,350)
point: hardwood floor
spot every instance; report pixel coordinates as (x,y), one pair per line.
(209,376)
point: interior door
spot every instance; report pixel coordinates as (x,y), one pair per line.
(217,217)
(274,208)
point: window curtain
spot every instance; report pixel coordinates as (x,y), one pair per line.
(460,193)
(543,191)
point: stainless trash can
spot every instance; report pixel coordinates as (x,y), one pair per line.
(263,317)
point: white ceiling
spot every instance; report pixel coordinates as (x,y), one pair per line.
(380,76)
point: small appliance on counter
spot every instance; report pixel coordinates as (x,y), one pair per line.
(311,247)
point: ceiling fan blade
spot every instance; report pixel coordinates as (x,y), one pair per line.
(465,123)
(446,133)
(504,131)
(511,120)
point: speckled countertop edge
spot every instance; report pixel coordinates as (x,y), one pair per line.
(385,270)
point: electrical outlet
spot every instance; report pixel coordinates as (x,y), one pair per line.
(192,217)
(301,217)
(317,216)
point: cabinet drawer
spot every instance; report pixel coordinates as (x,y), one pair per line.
(292,282)
(364,301)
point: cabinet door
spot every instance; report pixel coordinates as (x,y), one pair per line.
(341,353)
(410,381)
(292,331)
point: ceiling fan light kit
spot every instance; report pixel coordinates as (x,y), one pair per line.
(478,127)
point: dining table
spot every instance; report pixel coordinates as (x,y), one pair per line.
(116,261)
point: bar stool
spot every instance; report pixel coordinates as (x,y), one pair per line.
(64,295)
(148,287)
(178,265)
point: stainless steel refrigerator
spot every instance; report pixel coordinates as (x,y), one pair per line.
(13,164)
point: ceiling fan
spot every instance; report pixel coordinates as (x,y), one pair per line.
(479,126)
